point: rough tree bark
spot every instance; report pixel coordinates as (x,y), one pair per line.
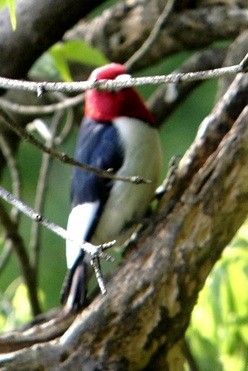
(122,29)
(140,323)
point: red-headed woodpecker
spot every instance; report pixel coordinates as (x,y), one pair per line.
(117,133)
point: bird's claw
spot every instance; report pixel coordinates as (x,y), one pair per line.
(96,252)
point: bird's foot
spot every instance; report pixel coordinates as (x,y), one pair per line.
(96,252)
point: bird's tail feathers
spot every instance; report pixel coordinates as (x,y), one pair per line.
(74,289)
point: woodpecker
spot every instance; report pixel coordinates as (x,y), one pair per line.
(117,133)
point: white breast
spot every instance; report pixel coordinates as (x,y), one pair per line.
(129,201)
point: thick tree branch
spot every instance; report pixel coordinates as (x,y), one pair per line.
(39,25)
(121,30)
(44,328)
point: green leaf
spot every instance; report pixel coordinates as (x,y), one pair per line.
(207,352)
(44,69)
(76,51)
(11,4)
(79,51)
(55,62)
(12,11)
(61,62)
(15,305)
(21,304)
(3,3)
(220,318)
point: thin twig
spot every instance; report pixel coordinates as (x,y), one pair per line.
(61,137)
(27,210)
(13,239)
(16,188)
(41,110)
(167,98)
(145,47)
(92,250)
(64,157)
(23,258)
(60,231)
(80,86)
(40,195)
(12,166)
(5,255)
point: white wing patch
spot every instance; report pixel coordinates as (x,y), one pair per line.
(79,222)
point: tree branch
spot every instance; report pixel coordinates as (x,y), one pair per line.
(69,87)
(168,97)
(39,25)
(155,32)
(95,251)
(40,198)
(32,214)
(41,110)
(23,259)
(16,189)
(121,30)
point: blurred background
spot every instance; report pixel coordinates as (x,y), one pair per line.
(218,333)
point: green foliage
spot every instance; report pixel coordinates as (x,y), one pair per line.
(218,333)
(76,51)
(11,4)
(55,62)
(45,67)
(15,308)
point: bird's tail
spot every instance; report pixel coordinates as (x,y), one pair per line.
(74,289)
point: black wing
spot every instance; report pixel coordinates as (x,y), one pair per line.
(98,145)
